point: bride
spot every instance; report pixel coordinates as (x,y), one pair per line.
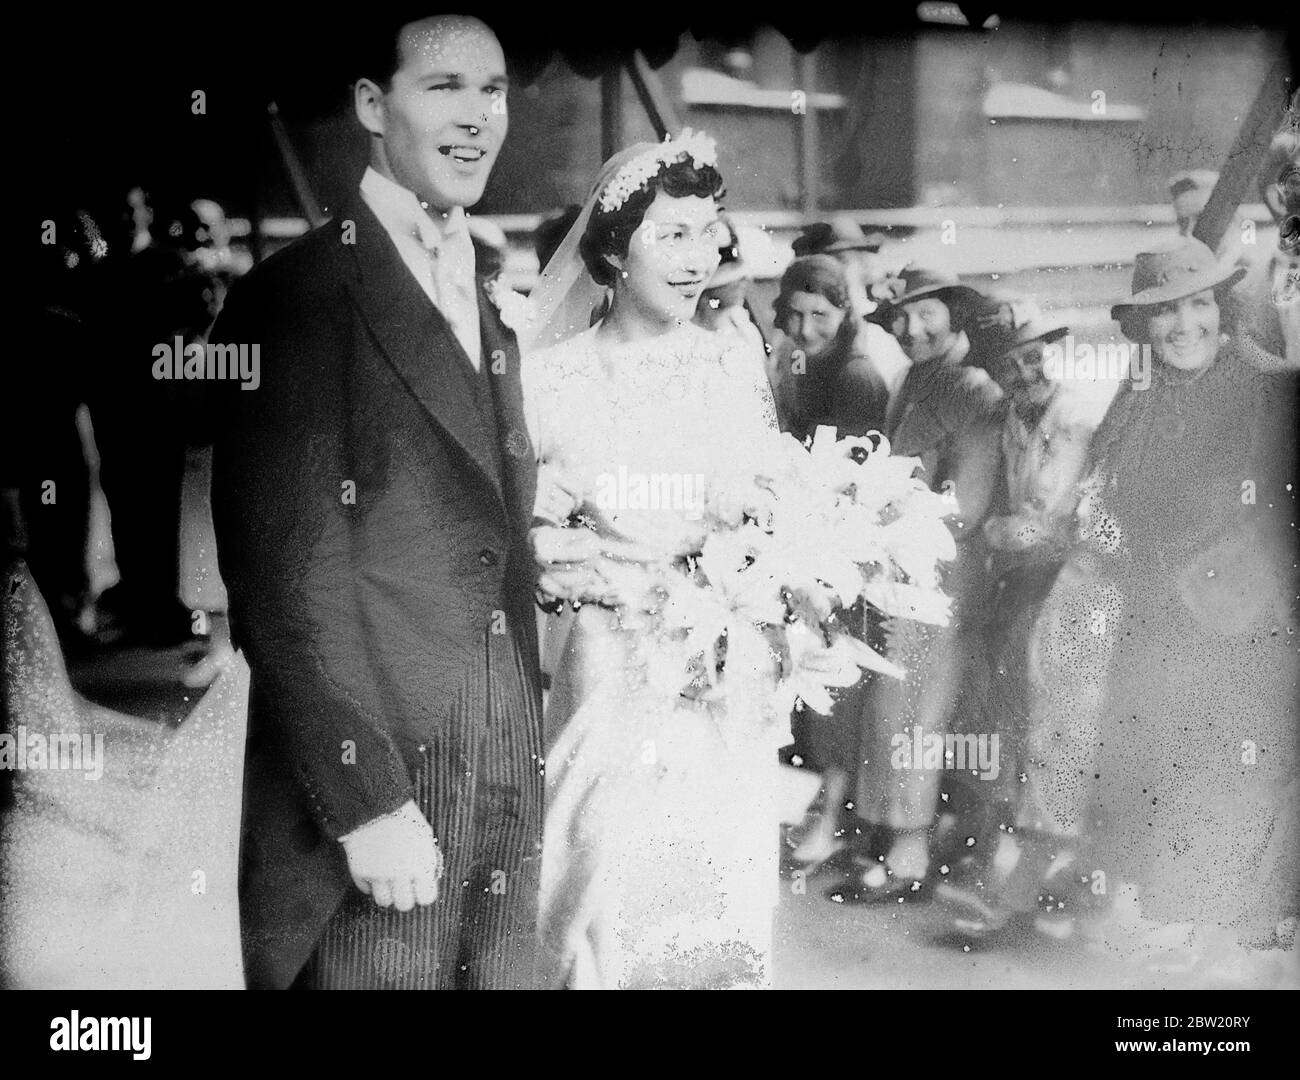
(660,854)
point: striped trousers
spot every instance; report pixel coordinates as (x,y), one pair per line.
(481,788)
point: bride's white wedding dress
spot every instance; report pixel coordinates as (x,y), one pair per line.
(660,856)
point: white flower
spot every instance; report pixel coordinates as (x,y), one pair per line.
(757,614)
(516,309)
(700,148)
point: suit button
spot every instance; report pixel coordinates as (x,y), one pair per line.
(487,557)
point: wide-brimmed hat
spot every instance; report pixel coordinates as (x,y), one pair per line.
(1007,322)
(838,234)
(1175,272)
(917,282)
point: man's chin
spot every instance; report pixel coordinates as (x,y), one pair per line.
(448,191)
(445,198)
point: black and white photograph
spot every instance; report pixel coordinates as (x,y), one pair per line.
(643,498)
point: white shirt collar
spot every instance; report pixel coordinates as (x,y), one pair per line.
(400,211)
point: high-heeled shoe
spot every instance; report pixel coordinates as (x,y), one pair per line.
(974,912)
(879,885)
(815,851)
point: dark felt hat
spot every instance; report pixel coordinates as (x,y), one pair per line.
(1008,322)
(916,283)
(839,234)
(1172,273)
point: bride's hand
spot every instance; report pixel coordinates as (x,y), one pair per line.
(576,584)
(559,494)
(732,502)
(558,546)
(649,536)
(568,546)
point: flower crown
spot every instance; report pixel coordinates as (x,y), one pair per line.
(632,177)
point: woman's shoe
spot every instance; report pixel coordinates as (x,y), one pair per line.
(879,885)
(814,851)
(973,912)
(1058,927)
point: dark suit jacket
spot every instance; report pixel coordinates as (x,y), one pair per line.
(370,519)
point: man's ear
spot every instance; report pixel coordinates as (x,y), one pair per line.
(616,261)
(368,101)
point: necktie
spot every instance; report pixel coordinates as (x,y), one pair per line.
(451,254)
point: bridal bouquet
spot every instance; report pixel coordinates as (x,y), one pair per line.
(786,547)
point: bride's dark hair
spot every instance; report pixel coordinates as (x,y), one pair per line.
(610,232)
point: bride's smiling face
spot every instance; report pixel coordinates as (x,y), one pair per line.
(671,257)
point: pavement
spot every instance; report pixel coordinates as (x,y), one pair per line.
(819,943)
(824,945)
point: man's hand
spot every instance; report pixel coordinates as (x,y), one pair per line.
(395,859)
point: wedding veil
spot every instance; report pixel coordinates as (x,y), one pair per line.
(566,295)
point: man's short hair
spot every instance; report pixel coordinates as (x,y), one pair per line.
(377,54)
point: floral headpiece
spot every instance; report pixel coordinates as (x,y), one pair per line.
(632,177)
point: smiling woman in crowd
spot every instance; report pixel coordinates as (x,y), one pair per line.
(825,376)
(1189,521)
(948,415)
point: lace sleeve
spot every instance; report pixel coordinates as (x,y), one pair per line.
(746,375)
(766,401)
(543,375)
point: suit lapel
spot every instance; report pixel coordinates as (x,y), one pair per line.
(416,339)
(501,354)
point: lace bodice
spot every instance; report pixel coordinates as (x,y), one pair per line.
(642,431)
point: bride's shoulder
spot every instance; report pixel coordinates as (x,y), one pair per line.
(731,356)
(708,345)
(573,356)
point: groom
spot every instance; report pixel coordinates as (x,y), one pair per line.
(372,499)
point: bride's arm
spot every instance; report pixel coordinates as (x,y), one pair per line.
(746,398)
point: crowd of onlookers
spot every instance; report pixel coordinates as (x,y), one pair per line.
(1123,593)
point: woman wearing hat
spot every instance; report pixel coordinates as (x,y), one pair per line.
(947,414)
(1189,529)
(858,253)
(825,376)
(843,239)
(826,379)
(1030,528)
